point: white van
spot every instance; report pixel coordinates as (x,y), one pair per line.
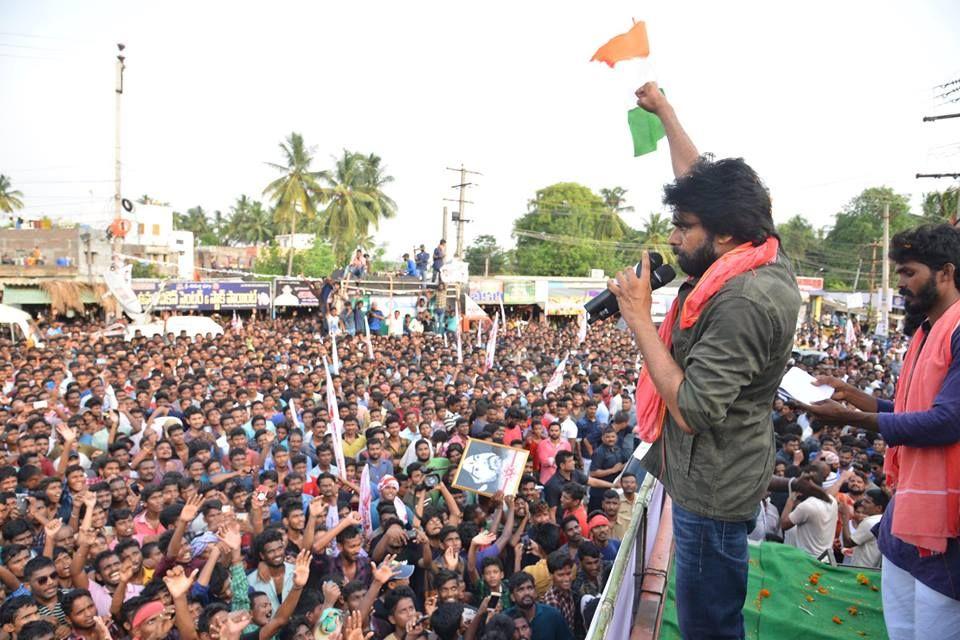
(191,325)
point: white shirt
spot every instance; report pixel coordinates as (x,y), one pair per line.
(568,428)
(866,553)
(815,525)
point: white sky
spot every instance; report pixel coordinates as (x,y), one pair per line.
(823,99)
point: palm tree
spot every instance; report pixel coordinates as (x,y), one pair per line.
(251,223)
(10,199)
(296,191)
(356,200)
(195,220)
(615,199)
(656,232)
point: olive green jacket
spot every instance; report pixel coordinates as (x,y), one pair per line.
(733,359)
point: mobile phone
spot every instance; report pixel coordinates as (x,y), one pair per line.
(421,620)
(40,404)
(469,613)
(242,516)
(226,508)
(494,599)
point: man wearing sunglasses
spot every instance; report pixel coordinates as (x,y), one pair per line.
(40,574)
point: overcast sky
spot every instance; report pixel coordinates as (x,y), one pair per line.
(823,99)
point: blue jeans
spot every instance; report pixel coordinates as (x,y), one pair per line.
(711,561)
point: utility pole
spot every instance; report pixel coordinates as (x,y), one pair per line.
(884,292)
(458,216)
(444,236)
(956,215)
(856,279)
(873,280)
(117,244)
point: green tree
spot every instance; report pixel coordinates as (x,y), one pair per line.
(294,192)
(797,236)
(10,199)
(355,200)
(485,247)
(250,222)
(941,206)
(196,221)
(563,235)
(316,262)
(856,227)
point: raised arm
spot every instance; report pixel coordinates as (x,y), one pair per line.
(178,584)
(683,153)
(315,511)
(288,606)
(452,507)
(326,537)
(187,515)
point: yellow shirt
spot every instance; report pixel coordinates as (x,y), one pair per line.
(624,513)
(351,449)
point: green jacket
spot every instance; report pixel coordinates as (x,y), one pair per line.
(733,359)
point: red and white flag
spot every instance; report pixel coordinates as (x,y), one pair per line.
(492,343)
(335,426)
(557,378)
(366,500)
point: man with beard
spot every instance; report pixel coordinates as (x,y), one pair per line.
(919,535)
(545,621)
(711,372)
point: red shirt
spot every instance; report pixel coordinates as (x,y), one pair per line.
(581,514)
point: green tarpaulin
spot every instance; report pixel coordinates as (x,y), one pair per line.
(795,608)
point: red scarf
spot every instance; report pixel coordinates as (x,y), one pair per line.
(651,409)
(926,479)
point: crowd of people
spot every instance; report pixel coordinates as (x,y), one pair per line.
(192,483)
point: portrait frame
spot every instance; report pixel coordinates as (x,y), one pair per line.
(512,461)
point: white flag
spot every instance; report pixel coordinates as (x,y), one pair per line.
(459,340)
(336,355)
(492,343)
(366,500)
(479,331)
(335,426)
(366,324)
(582,333)
(850,335)
(293,414)
(557,378)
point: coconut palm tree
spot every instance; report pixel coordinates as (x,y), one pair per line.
(252,223)
(195,220)
(297,191)
(615,199)
(356,201)
(10,199)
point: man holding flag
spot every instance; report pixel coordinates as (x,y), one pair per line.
(711,371)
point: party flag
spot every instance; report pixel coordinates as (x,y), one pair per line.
(645,129)
(582,332)
(479,332)
(492,343)
(293,414)
(557,378)
(366,324)
(459,340)
(335,426)
(632,44)
(336,355)
(366,500)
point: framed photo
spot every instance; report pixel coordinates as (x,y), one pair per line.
(487,467)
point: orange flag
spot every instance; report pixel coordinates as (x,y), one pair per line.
(632,44)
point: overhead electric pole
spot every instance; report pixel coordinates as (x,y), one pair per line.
(458,216)
(117,245)
(884,292)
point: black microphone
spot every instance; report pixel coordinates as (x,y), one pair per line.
(605,304)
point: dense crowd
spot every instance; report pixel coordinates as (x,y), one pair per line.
(188,487)
(179,486)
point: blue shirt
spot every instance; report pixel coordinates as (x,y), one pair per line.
(269,588)
(590,431)
(938,426)
(411,267)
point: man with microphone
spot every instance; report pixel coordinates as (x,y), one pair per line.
(711,371)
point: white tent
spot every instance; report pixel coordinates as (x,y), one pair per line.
(10,316)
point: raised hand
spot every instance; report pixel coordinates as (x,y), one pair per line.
(230,535)
(236,622)
(52,527)
(189,512)
(649,98)
(127,571)
(384,572)
(86,537)
(354,518)
(69,435)
(103,633)
(483,539)
(430,604)
(451,558)
(178,583)
(301,572)
(353,627)
(318,508)
(89,499)
(331,591)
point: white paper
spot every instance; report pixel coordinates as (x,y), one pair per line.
(797,383)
